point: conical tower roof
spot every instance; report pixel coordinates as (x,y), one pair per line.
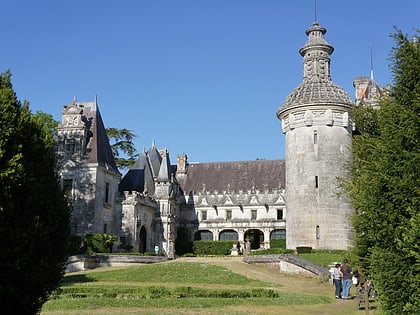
(316,87)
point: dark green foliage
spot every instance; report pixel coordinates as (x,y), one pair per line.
(278,243)
(122,145)
(183,243)
(303,249)
(385,186)
(99,243)
(272,251)
(34,216)
(212,247)
(49,124)
(75,245)
(156,292)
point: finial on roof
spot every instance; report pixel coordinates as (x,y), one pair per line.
(315,10)
(153,143)
(371,61)
(74,99)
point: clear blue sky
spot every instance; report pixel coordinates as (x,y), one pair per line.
(201,77)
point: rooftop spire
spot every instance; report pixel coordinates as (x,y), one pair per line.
(371,62)
(316,54)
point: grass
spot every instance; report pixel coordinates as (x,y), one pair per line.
(193,286)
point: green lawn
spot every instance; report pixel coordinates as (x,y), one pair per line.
(183,287)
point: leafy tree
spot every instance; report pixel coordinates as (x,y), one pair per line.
(122,145)
(48,122)
(34,215)
(385,185)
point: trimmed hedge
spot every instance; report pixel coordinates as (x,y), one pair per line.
(303,249)
(219,248)
(278,243)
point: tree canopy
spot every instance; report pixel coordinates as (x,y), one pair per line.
(122,146)
(34,215)
(385,185)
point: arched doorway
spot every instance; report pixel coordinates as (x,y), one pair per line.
(255,237)
(142,240)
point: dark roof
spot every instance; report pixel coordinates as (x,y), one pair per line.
(238,175)
(98,148)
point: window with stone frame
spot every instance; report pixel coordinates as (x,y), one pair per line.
(204,215)
(279,214)
(228,214)
(68,188)
(106,192)
(254,214)
(70,146)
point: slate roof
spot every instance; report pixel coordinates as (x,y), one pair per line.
(237,175)
(98,148)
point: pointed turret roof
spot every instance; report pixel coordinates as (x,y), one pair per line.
(317,87)
(165,171)
(98,147)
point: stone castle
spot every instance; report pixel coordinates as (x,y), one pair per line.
(157,203)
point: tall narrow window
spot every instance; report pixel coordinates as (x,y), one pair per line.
(105,228)
(70,146)
(203,215)
(315,137)
(68,187)
(316,182)
(279,214)
(106,192)
(317,232)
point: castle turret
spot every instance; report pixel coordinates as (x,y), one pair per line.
(316,120)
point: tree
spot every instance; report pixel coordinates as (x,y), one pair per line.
(384,185)
(34,215)
(48,122)
(122,145)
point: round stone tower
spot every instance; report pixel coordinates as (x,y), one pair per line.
(317,122)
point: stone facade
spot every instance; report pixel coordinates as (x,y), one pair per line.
(317,121)
(87,169)
(247,202)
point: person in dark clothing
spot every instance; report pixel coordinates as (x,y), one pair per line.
(347,275)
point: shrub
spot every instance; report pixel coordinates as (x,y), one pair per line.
(183,243)
(272,251)
(278,243)
(303,249)
(99,243)
(212,247)
(75,242)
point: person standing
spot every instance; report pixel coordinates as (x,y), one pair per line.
(337,280)
(347,275)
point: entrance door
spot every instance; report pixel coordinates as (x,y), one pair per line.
(142,240)
(255,237)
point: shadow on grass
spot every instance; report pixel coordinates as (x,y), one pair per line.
(74,279)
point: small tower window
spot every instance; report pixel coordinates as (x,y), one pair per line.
(279,214)
(316,182)
(106,192)
(203,215)
(317,232)
(315,137)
